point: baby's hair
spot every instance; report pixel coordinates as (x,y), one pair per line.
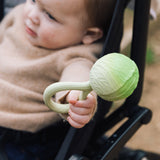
(100,12)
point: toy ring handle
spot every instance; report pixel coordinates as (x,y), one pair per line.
(52,89)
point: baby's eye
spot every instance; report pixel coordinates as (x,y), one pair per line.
(33,1)
(50,16)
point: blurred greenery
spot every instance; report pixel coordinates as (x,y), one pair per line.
(150,56)
(152,53)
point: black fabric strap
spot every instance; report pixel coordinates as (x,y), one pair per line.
(114,35)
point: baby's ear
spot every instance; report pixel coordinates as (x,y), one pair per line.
(92,35)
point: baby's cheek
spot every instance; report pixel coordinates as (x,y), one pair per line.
(48,39)
(47,36)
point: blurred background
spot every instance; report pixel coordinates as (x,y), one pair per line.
(148,136)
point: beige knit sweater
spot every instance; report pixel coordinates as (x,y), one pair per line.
(26,70)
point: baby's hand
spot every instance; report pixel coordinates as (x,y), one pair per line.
(81,111)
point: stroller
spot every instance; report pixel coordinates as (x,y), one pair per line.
(90,142)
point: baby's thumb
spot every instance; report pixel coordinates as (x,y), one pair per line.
(73,97)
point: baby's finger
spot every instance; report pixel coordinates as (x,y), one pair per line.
(81,119)
(74,124)
(81,110)
(73,97)
(88,103)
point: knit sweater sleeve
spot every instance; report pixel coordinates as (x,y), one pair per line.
(76,66)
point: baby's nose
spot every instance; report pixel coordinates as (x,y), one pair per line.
(34,16)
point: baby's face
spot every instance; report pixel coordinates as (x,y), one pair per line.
(54,24)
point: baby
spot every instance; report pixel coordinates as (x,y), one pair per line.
(42,42)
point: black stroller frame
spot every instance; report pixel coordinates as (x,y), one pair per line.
(88,143)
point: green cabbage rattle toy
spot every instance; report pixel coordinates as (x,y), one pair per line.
(112,77)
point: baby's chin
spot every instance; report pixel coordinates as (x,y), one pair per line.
(35,43)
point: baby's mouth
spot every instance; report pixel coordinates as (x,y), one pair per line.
(28,28)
